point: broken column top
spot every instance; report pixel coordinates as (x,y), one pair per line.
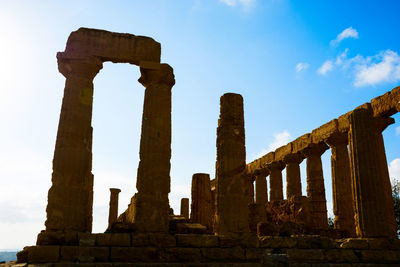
(111,46)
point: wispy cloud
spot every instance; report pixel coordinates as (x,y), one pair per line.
(394,169)
(383,67)
(302,66)
(325,67)
(398,130)
(245,4)
(280,139)
(346,33)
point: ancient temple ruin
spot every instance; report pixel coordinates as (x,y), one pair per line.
(230,222)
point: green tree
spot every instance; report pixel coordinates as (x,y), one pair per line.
(396,201)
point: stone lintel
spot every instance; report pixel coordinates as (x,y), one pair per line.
(323,132)
(261,171)
(270,157)
(282,151)
(337,138)
(115,47)
(301,143)
(344,122)
(387,104)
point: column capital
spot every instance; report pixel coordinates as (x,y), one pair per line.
(162,75)
(381,123)
(115,190)
(83,66)
(261,171)
(279,165)
(337,138)
(315,149)
(293,158)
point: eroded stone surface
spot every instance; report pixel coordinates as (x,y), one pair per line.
(202,206)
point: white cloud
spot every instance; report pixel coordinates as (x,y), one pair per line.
(394,169)
(302,66)
(280,139)
(383,67)
(340,59)
(325,67)
(346,33)
(245,4)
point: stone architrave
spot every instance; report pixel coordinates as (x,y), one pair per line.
(315,184)
(113,211)
(275,180)
(261,186)
(293,178)
(202,207)
(70,197)
(381,125)
(153,178)
(185,207)
(341,184)
(232,208)
(370,205)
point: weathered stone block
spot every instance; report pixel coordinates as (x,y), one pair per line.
(301,143)
(184,240)
(344,122)
(277,242)
(103,239)
(308,241)
(256,254)
(190,228)
(153,239)
(267,229)
(39,254)
(86,239)
(243,240)
(340,255)
(133,254)
(69,253)
(282,151)
(305,255)
(355,243)
(385,105)
(120,240)
(379,243)
(268,158)
(180,255)
(90,254)
(324,131)
(223,254)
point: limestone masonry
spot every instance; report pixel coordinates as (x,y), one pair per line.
(230,223)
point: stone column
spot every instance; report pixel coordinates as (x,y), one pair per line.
(293,178)
(275,180)
(70,198)
(113,212)
(261,186)
(250,189)
(315,185)
(381,124)
(366,171)
(341,184)
(232,207)
(185,207)
(153,179)
(201,208)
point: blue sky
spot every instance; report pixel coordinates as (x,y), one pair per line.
(298,64)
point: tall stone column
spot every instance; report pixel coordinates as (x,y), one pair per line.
(370,205)
(70,198)
(275,180)
(261,186)
(232,207)
(250,189)
(113,212)
(202,207)
(185,207)
(293,178)
(341,184)
(315,185)
(153,179)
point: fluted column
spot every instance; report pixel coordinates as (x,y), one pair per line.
(231,181)
(366,176)
(202,207)
(381,124)
(275,180)
(70,198)
(293,178)
(341,184)
(153,179)
(261,186)
(315,184)
(113,212)
(250,189)
(185,207)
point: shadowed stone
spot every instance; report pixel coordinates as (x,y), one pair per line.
(185,207)
(201,208)
(113,212)
(275,180)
